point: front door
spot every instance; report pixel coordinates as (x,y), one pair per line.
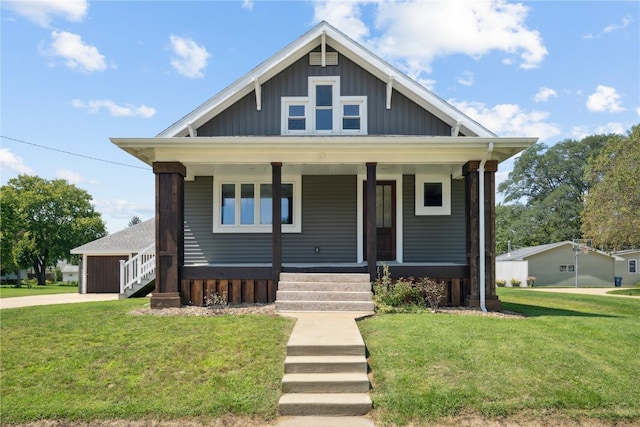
(385,219)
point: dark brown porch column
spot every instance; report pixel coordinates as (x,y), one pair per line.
(372,239)
(169,233)
(276,206)
(472,219)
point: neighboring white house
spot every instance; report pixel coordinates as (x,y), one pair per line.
(555,264)
(628,266)
(70,273)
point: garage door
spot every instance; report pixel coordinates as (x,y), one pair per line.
(103,274)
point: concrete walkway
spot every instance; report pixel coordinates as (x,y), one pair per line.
(322,332)
(30,301)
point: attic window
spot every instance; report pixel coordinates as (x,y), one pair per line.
(324,111)
(315,58)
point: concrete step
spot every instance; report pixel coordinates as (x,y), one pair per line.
(326,350)
(324,286)
(325,383)
(325,364)
(298,295)
(325,277)
(354,306)
(325,404)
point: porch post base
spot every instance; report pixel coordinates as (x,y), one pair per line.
(491,302)
(165,300)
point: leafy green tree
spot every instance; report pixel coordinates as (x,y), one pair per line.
(548,186)
(135,220)
(43,220)
(612,213)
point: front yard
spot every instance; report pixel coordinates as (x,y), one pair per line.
(572,360)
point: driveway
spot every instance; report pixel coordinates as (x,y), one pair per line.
(54,299)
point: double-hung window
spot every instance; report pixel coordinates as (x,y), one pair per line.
(324,110)
(247,207)
(633,266)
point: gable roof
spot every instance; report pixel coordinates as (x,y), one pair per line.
(345,46)
(130,240)
(524,253)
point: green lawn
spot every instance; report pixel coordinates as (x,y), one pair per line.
(574,356)
(95,361)
(9,291)
(626,291)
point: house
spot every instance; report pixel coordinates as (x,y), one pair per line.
(628,266)
(70,273)
(555,264)
(368,166)
(100,270)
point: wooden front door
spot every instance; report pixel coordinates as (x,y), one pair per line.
(385,219)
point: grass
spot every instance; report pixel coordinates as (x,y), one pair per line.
(573,356)
(627,291)
(95,361)
(9,291)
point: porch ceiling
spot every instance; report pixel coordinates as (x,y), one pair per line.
(323,151)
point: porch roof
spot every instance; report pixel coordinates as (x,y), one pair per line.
(322,150)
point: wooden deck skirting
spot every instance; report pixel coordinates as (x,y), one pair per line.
(262,291)
(238,291)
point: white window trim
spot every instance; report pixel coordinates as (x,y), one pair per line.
(218,227)
(629,266)
(310,109)
(294,100)
(445,180)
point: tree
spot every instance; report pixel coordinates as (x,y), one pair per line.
(135,220)
(612,213)
(43,220)
(548,186)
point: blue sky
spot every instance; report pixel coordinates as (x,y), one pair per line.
(76,72)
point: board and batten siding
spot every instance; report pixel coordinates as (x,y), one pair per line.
(437,239)
(329,219)
(404,118)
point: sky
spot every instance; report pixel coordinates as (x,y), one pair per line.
(75,72)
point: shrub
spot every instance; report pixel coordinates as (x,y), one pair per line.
(501,283)
(531,280)
(406,294)
(215,300)
(515,282)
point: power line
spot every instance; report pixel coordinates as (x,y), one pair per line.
(73,154)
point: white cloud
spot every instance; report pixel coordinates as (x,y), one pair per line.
(9,161)
(126,110)
(579,132)
(638,111)
(626,21)
(247,4)
(467,78)
(544,94)
(605,98)
(415,32)
(510,119)
(72,177)
(344,15)
(42,12)
(190,60)
(124,208)
(77,55)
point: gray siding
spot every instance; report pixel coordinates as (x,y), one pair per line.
(329,213)
(594,269)
(434,238)
(404,118)
(329,220)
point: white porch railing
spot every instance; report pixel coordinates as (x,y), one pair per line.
(138,268)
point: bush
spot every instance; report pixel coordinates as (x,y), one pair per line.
(515,283)
(501,283)
(406,294)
